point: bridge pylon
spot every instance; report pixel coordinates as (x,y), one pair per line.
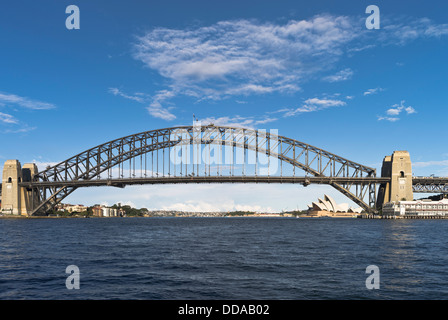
(17,200)
(398,167)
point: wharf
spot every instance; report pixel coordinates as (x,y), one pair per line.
(376,216)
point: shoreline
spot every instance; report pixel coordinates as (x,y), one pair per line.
(186,216)
(365,217)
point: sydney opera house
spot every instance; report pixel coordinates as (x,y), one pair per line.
(329,208)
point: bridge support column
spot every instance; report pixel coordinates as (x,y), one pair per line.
(398,167)
(17,200)
(29,197)
(12,176)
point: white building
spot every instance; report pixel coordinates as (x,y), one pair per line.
(109,212)
(424,207)
(73,208)
(329,205)
(103,211)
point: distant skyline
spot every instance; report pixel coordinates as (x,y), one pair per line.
(313,71)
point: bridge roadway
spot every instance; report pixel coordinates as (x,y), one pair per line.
(419,184)
(206,179)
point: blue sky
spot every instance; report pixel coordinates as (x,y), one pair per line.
(311,70)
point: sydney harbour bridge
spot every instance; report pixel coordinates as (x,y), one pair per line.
(209,154)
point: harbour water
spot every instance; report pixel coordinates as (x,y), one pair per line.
(223,258)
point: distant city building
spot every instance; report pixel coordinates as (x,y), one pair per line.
(71,208)
(109,212)
(76,208)
(103,211)
(424,207)
(97,211)
(329,207)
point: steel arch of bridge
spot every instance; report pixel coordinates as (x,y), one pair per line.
(53,184)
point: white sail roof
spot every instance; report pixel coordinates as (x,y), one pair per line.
(328,204)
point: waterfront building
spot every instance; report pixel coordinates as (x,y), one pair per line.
(113,212)
(423,207)
(97,211)
(70,208)
(76,208)
(103,211)
(106,212)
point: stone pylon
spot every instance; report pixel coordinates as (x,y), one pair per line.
(17,200)
(398,167)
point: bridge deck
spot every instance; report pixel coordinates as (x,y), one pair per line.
(205,179)
(432,185)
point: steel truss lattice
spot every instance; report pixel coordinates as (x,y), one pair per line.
(140,157)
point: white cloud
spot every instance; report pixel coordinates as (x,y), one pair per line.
(244,50)
(373,91)
(242,57)
(237,121)
(403,30)
(342,75)
(21,130)
(247,89)
(423,164)
(393,111)
(155,107)
(312,105)
(118,92)
(247,57)
(362,48)
(437,167)
(121,202)
(157,110)
(13,99)
(223,205)
(396,110)
(324,103)
(7,118)
(410,110)
(391,119)
(42,165)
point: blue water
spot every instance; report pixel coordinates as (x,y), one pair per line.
(223,258)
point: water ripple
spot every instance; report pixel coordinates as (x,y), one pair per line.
(222,258)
